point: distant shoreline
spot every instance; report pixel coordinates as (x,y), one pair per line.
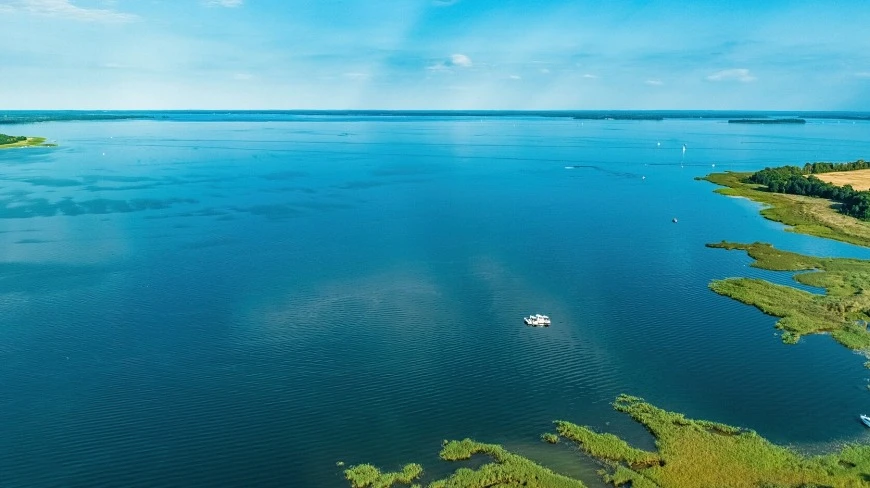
(8,117)
(767,121)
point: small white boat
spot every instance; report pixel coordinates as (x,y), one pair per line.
(865,419)
(539,320)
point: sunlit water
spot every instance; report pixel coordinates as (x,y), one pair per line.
(246,303)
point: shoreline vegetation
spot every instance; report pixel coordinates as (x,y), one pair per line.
(802,214)
(688,453)
(7,142)
(842,311)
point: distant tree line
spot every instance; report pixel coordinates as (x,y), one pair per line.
(816,168)
(794,180)
(4,139)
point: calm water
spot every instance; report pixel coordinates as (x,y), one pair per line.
(238,303)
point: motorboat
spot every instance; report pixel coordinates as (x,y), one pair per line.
(865,419)
(539,320)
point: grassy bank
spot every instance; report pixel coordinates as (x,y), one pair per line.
(841,312)
(690,453)
(27,142)
(505,469)
(806,215)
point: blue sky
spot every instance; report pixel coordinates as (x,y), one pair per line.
(434,54)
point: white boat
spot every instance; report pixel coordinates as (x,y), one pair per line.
(865,419)
(539,320)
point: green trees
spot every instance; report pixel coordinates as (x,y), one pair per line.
(4,139)
(792,180)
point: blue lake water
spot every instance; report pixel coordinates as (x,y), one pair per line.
(196,301)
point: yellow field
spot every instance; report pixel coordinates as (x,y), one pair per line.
(859,179)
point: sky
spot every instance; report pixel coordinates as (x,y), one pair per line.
(435,54)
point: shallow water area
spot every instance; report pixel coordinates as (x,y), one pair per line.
(195,301)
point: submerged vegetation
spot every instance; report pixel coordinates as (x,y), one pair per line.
(842,311)
(689,453)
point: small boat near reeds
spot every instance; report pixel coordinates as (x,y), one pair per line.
(865,419)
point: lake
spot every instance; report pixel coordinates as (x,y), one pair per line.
(246,300)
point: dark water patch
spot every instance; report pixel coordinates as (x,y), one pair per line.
(620,174)
(41,207)
(324,205)
(361,184)
(211,242)
(92,179)
(204,212)
(284,175)
(32,241)
(41,278)
(53,182)
(407,170)
(275,211)
(96,188)
(290,189)
(366,184)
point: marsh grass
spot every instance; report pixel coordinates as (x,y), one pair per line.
(805,215)
(702,453)
(368,476)
(550,438)
(842,311)
(689,453)
(507,469)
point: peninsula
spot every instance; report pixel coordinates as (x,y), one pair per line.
(7,141)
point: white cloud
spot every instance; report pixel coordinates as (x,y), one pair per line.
(654,82)
(589,76)
(66,9)
(737,74)
(243,76)
(545,71)
(863,74)
(460,60)
(515,77)
(224,3)
(455,60)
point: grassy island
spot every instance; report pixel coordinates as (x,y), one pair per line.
(842,311)
(21,141)
(690,453)
(804,214)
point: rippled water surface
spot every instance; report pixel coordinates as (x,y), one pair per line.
(241,303)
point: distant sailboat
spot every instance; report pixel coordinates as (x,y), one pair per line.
(684,149)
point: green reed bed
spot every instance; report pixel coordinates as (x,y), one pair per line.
(695,453)
(842,311)
(368,476)
(689,453)
(505,470)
